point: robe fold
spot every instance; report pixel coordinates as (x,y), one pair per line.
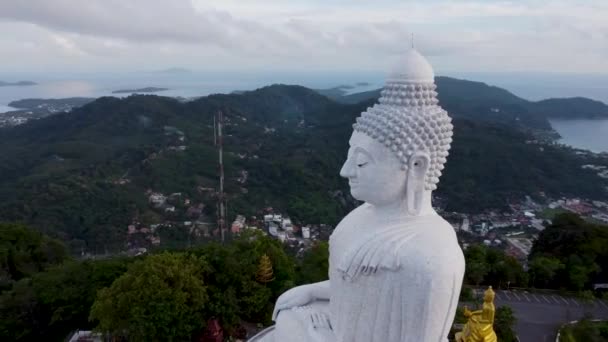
(397,283)
(394,283)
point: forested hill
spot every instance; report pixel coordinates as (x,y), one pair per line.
(480,101)
(571,108)
(82,176)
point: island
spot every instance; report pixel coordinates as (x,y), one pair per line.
(19,83)
(174,71)
(140,90)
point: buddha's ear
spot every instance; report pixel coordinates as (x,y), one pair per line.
(418,166)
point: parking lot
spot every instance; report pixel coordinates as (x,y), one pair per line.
(545,298)
(540,314)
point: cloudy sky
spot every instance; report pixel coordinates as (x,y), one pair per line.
(457,36)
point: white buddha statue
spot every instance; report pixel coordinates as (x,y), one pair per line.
(395,266)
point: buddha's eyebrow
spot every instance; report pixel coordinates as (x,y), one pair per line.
(362,150)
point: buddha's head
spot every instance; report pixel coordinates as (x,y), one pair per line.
(375,174)
(399,146)
(488,295)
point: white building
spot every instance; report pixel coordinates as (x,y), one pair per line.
(273,229)
(238,224)
(306,232)
(287,225)
(273,218)
(157,199)
(282,236)
(466,225)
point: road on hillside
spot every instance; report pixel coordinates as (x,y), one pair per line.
(539,315)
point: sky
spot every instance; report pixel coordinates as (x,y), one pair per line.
(335,35)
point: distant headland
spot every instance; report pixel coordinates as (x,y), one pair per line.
(174,71)
(19,83)
(139,90)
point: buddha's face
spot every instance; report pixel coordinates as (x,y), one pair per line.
(374,173)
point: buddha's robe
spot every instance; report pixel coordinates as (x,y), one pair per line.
(395,283)
(399,282)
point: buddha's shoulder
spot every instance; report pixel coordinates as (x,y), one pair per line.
(435,228)
(356,215)
(434,247)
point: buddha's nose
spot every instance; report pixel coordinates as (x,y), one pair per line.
(347,170)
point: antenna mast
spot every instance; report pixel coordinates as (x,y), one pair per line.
(221,197)
(214,131)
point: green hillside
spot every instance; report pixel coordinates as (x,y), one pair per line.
(479,101)
(62,174)
(571,108)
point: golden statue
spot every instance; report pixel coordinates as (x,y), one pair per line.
(479,325)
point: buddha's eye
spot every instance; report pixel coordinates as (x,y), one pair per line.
(362,158)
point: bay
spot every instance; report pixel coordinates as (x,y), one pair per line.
(4,108)
(585,134)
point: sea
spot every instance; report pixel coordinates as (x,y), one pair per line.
(589,135)
(585,134)
(179,84)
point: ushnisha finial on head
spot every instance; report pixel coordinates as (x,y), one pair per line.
(408,118)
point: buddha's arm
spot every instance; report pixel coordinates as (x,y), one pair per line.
(468,313)
(321,290)
(301,295)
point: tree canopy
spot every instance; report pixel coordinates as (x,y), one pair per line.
(490,266)
(570,254)
(54,302)
(24,252)
(160,298)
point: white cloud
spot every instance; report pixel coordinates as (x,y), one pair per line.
(469,35)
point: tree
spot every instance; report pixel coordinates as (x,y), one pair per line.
(314,266)
(249,248)
(476,267)
(234,291)
(24,252)
(504,319)
(504,269)
(52,303)
(585,330)
(579,274)
(264,274)
(576,249)
(160,298)
(543,271)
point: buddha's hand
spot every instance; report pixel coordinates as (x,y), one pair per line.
(297,296)
(319,328)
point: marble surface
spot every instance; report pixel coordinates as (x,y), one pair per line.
(395,266)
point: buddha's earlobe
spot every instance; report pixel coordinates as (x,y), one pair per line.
(416,175)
